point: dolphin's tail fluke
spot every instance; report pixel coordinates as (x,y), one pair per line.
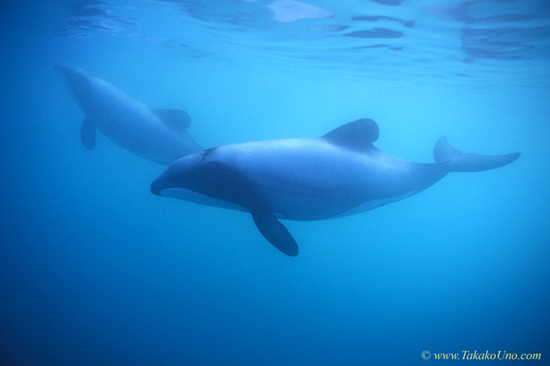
(455,161)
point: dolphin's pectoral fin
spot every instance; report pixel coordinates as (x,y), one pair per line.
(87,134)
(176,119)
(454,161)
(276,233)
(358,135)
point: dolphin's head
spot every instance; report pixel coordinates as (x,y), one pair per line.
(205,178)
(74,75)
(181,175)
(78,81)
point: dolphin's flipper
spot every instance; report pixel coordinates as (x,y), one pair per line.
(276,233)
(87,134)
(454,161)
(176,119)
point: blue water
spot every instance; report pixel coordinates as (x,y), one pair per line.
(95,270)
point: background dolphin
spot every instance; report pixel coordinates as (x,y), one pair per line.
(155,134)
(338,174)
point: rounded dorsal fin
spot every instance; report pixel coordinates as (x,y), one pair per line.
(359,134)
(444,151)
(176,119)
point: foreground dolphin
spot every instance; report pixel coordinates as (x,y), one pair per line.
(338,174)
(155,134)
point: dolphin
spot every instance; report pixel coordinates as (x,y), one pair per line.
(338,174)
(155,134)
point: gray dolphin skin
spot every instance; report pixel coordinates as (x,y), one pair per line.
(158,135)
(338,174)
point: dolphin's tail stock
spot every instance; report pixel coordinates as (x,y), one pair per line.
(455,161)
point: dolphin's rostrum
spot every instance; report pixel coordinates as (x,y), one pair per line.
(338,174)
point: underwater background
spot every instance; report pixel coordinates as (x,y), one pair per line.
(95,270)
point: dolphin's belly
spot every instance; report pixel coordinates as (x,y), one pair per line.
(296,207)
(324,201)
